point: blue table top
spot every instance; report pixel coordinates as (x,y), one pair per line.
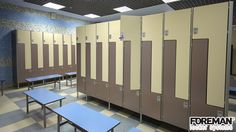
(135,130)
(40,78)
(43,95)
(86,118)
(71,73)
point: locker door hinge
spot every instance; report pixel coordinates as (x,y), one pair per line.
(195,30)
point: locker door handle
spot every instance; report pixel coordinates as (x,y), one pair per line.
(185,105)
(143,34)
(97,37)
(109,36)
(158,98)
(166,32)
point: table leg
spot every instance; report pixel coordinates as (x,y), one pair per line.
(2,87)
(44,116)
(58,123)
(27,104)
(60,103)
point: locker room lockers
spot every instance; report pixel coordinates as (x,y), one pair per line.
(115,72)
(160,64)
(151,65)
(91,59)
(131,31)
(41,54)
(208,83)
(73,53)
(102,86)
(81,57)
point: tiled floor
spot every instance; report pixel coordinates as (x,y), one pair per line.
(14,118)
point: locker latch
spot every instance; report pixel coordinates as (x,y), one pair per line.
(195,30)
(158,98)
(143,34)
(185,104)
(109,36)
(97,37)
(166,32)
(137,93)
(219,113)
(86,38)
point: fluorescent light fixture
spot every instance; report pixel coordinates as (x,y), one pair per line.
(92,15)
(169,1)
(123,9)
(54,6)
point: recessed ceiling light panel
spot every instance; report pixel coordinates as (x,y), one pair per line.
(54,6)
(92,15)
(122,9)
(169,1)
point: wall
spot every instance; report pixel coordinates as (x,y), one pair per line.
(13,17)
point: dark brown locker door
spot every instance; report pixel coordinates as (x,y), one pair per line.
(46,59)
(115,90)
(21,72)
(131,97)
(175,110)
(65,59)
(56,59)
(199,65)
(80,80)
(89,82)
(150,101)
(34,60)
(73,58)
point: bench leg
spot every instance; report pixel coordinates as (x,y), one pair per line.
(27,104)
(44,116)
(58,123)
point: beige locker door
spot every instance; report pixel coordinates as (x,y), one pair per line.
(177,27)
(23,37)
(211,22)
(102,36)
(67,41)
(114,34)
(73,42)
(81,34)
(91,38)
(37,38)
(48,39)
(131,30)
(152,28)
(58,41)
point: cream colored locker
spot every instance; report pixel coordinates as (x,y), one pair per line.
(210,22)
(67,41)
(131,31)
(23,37)
(152,28)
(36,38)
(81,35)
(48,39)
(114,34)
(102,36)
(58,41)
(91,38)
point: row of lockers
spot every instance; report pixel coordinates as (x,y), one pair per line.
(167,66)
(42,53)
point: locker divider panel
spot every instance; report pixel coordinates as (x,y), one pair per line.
(73,65)
(80,80)
(65,59)
(115,91)
(131,97)
(199,106)
(21,71)
(56,55)
(174,110)
(150,101)
(34,61)
(89,82)
(46,59)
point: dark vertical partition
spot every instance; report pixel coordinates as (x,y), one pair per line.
(150,102)
(175,110)
(46,59)
(80,80)
(131,97)
(21,72)
(115,90)
(73,58)
(34,60)
(65,59)
(199,106)
(89,82)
